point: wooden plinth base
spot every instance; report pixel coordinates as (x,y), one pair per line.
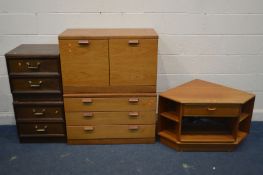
(113,141)
(206,147)
(42,140)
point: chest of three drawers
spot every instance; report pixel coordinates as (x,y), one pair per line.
(35,81)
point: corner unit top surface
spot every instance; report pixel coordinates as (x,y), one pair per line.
(199,91)
(108,33)
(34,50)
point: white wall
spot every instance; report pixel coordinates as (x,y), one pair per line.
(216,40)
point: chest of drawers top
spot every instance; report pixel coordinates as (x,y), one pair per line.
(108,33)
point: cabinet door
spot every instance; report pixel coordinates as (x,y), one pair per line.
(133,62)
(84,63)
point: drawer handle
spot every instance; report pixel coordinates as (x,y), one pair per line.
(29,66)
(41,129)
(35,85)
(83,42)
(211,109)
(89,128)
(133,100)
(134,128)
(86,100)
(39,113)
(133,114)
(88,114)
(133,42)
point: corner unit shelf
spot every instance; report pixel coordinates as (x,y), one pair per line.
(203,116)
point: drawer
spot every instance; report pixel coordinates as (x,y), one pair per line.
(133,61)
(110,131)
(33,65)
(85,59)
(35,84)
(41,129)
(110,104)
(37,112)
(211,110)
(94,118)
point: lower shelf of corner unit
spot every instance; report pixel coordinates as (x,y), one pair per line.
(198,138)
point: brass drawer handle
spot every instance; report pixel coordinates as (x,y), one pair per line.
(133,42)
(86,100)
(29,66)
(134,128)
(133,114)
(211,109)
(39,113)
(133,100)
(83,42)
(89,128)
(35,85)
(44,129)
(88,114)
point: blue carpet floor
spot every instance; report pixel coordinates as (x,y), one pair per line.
(152,159)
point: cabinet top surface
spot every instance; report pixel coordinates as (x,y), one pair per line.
(108,33)
(199,91)
(34,50)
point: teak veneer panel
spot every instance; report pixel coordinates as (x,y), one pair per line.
(84,65)
(133,64)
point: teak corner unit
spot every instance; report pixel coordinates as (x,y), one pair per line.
(109,83)
(35,81)
(203,116)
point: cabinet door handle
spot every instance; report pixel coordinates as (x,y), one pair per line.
(29,66)
(83,42)
(133,100)
(133,114)
(35,85)
(88,114)
(89,128)
(134,128)
(39,113)
(211,109)
(86,100)
(44,129)
(133,42)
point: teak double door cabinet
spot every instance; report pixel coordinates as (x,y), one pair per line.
(109,83)
(203,116)
(35,80)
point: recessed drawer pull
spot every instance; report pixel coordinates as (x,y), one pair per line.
(134,128)
(211,109)
(29,66)
(86,100)
(89,128)
(84,42)
(35,85)
(88,114)
(133,100)
(133,114)
(41,129)
(39,113)
(133,42)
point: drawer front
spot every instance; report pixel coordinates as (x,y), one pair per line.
(133,61)
(33,65)
(110,131)
(35,84)
(110,104)
(211,110)
(84,63)
(100,118)
(38,129)
(39,112)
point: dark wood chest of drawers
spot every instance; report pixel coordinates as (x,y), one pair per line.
(35,82)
